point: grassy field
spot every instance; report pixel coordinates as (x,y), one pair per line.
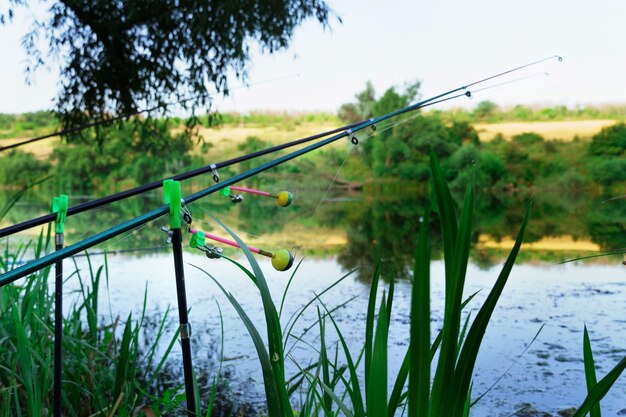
(224,139)
(564,130)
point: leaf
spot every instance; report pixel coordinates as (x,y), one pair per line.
(600,389)
(419,345)
(355,392)
(376,391)
(469,352)
(398,386)
(271,390)
(369,322)
(274,331)
(590,371)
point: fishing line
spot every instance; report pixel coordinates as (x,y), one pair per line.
(385,128)
(331,184)
(557,57)
(213,224)
(136,113)
(540,74)
(132,233)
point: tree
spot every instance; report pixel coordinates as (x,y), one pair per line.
(484,110)
(362,109)
(120,55)
(609,142)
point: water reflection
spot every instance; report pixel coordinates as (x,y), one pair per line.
(362,227)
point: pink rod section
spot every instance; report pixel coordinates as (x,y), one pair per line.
(226,241)
(250,190)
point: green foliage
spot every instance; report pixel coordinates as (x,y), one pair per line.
(19,125)
(399,149)
(463,132)
(117,58)
(19,169)
(607,171)
(485,110)
(489,112)
(611,141)
(102,373)
(279,120)
(528,139)
(137,152)
(606,155)
(362,109)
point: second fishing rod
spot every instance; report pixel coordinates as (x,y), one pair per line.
(38,221)
(154,214)
(89,242)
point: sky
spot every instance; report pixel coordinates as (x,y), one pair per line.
(443,43)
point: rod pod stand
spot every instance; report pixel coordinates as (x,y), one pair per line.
(172,196)
(59,206)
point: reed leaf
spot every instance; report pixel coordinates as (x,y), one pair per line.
(600,389)
(122,365)
(469,351)
(323,364)
(369,322)
(274,406)
(449,231)
(274,331)
(376,392)
(590,371)
(395,397)
(419,345)
(355,392)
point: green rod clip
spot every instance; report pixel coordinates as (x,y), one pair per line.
(59,206)
(197,240)
(172,196)
(225,191)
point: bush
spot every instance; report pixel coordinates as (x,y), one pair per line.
(139,152)
(611,141)
(22,169)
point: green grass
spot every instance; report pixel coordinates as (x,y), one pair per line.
(107,369)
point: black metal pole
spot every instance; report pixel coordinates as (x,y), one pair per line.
(185,327)
(58,327)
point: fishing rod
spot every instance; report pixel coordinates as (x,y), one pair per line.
(126,116)
(156,213)
(9,230)
(212,168)
(98,238)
